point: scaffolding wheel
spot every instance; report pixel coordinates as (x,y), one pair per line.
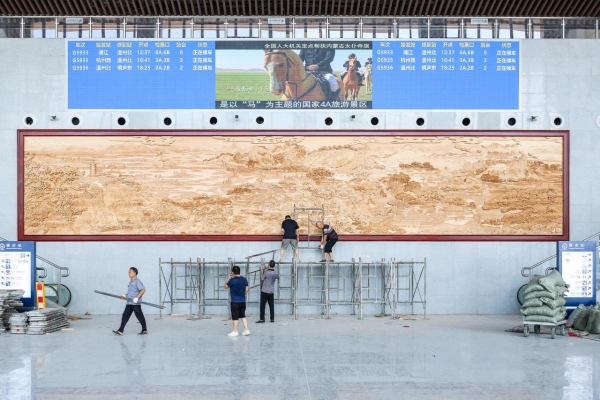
(553,332)
(536,329)
(526,330)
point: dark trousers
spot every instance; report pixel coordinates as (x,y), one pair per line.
(130,309)
(264,297)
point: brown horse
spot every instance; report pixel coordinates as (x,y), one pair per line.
(351,84)
(289,79)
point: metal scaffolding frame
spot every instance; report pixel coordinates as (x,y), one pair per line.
(309,222)
(350,284)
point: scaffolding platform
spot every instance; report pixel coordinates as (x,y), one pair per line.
(345,286)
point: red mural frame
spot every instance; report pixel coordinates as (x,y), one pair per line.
(22,133)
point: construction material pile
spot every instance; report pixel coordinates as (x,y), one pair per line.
(47,320)
(544,299)
(18,323)
(586,320)
(9,300)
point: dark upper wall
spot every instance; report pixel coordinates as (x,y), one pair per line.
(383,8)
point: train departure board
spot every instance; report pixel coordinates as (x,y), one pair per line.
(293,74)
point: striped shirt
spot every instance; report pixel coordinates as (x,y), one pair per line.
(268,281)
(329,232)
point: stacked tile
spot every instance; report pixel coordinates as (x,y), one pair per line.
(9,300)
(544,299)
(18,323)
(51,319)
(47,320)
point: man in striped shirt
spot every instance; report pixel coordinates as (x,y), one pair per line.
(267,290)
(329,239)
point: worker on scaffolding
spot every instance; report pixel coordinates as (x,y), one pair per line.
(328,240)
(290,230)
(267,290)
(135,291)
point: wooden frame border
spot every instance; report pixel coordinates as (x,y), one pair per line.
(22,133)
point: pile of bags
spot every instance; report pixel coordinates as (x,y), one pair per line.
(585,319)
(544,299)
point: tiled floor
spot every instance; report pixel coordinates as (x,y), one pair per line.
(444,357)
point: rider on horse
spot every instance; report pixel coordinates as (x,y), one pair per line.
(356,65)
(318,61)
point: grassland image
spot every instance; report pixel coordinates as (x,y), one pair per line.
(241,76)
(241,185)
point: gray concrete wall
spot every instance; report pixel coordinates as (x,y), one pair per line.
(559,78)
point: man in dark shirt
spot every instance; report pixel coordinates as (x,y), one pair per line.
(329,239)
(267,290)
(238,287)
(290,229)
(319,60)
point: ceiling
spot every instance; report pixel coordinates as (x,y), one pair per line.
(382,8)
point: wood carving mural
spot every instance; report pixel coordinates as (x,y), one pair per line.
(388,186)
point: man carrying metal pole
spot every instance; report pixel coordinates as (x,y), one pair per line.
(135,291)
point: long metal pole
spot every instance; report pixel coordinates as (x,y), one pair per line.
(393,273)
(327,289)
(129,299)
(160,276)
(172,285)
(425,290)
(360,302)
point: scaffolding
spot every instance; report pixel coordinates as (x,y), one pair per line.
(340,285)
(310,221)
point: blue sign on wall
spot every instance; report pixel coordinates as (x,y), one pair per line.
(155,74)
(17,269)
(577,265)
(446,74)
(232,74)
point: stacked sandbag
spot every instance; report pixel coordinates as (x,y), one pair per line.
(544,299)
(585,319)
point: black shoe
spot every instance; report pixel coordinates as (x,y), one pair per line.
(118,333)
(143,333)
(260,321)
(323,261)
(272,320)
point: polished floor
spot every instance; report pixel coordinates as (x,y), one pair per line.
(444,357)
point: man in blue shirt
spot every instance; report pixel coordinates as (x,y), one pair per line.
(238,287)
(135,291)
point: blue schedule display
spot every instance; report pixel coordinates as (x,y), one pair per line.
(238,74)
(141,74)
(446,75)
(577,264)
(17,269)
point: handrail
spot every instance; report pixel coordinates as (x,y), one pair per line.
(526,271)
(42,269)
(68,271)
(55,266)
(262,254)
